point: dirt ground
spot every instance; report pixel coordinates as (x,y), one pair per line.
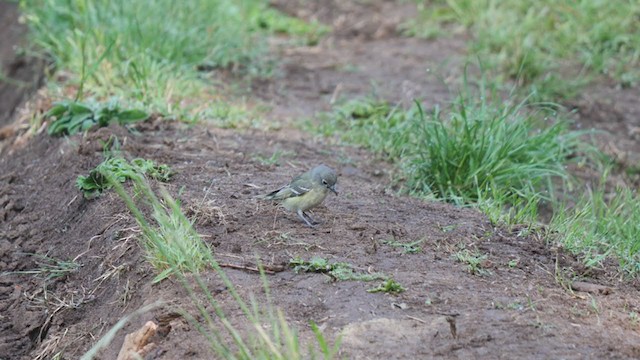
(522,306)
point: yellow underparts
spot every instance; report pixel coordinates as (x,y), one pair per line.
(307,200)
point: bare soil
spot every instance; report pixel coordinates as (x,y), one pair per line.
(522,304)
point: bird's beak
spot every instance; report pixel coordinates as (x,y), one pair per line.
(333,188)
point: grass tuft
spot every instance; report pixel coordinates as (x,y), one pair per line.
(500,157)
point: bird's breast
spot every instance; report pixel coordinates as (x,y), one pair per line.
(306,201)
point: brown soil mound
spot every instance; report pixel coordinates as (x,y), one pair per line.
(519,305)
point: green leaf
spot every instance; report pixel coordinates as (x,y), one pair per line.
(129,116)
(79,108)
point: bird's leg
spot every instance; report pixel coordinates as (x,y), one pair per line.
(312,220)
(302,215)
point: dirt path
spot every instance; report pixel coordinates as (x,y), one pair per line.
(519,307)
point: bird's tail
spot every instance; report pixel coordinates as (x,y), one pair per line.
(270,196)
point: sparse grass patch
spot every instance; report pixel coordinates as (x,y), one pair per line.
(601,226)
(71,117)
(535,41)
(407,248)
(340,271)
(274,159)
(49,268)
(121,170)
(473,260)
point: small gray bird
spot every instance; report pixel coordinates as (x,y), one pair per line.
(306,191)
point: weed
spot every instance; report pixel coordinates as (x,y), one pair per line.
(389,286)
(72,116)
(337,271)
(49,268)
(474,261)
(407,248)
(120,170)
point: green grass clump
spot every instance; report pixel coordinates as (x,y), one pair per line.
(535,40)
(154,53)
(120,170)
(340,271)
(491,154)
(71,117)
(601,226)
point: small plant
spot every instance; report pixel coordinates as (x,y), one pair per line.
(407,248)
(389,286)
(71,117)
(337,271)
(121,170)
(274,159)
(49,268)
(474,261)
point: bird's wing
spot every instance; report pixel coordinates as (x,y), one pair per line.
(298,187)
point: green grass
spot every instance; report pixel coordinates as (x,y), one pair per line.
(551,47)
(154,54)
(602,225)
(171,243)
(503,158)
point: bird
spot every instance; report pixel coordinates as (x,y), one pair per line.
(306,191)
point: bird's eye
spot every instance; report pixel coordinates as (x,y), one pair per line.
(324,181)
